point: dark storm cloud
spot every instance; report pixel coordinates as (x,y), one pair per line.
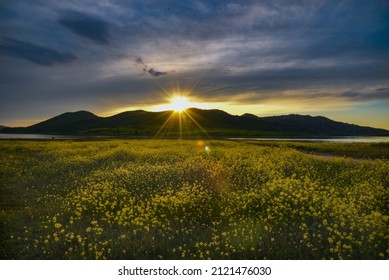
(37,54)
(147,69)
(139,60)
(155,73)
(86,26)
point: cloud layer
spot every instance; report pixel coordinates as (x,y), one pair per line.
(37,54)
(147,69)
(91,28)
(111,53)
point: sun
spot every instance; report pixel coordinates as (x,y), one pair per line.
(179,104)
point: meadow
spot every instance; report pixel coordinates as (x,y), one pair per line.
(171,199)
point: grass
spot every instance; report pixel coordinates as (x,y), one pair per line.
(169,199)
(353,150)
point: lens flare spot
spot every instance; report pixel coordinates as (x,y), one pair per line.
(200,144)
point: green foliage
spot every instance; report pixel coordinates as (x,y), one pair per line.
(355,150)
(169,199)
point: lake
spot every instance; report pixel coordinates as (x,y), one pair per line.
(345,139)
(47,136)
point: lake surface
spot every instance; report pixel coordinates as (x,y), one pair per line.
(344,139)
(356,139)
(47,136)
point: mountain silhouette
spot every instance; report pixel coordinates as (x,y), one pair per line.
(195,122)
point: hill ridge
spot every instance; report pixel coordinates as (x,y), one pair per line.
(194,121)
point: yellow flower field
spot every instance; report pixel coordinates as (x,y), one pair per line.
(170,199)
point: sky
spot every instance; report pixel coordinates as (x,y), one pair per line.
(328,58)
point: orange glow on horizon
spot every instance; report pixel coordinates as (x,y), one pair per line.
(179,103)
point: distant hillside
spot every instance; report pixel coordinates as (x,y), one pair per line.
(195,122)
(2,126)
